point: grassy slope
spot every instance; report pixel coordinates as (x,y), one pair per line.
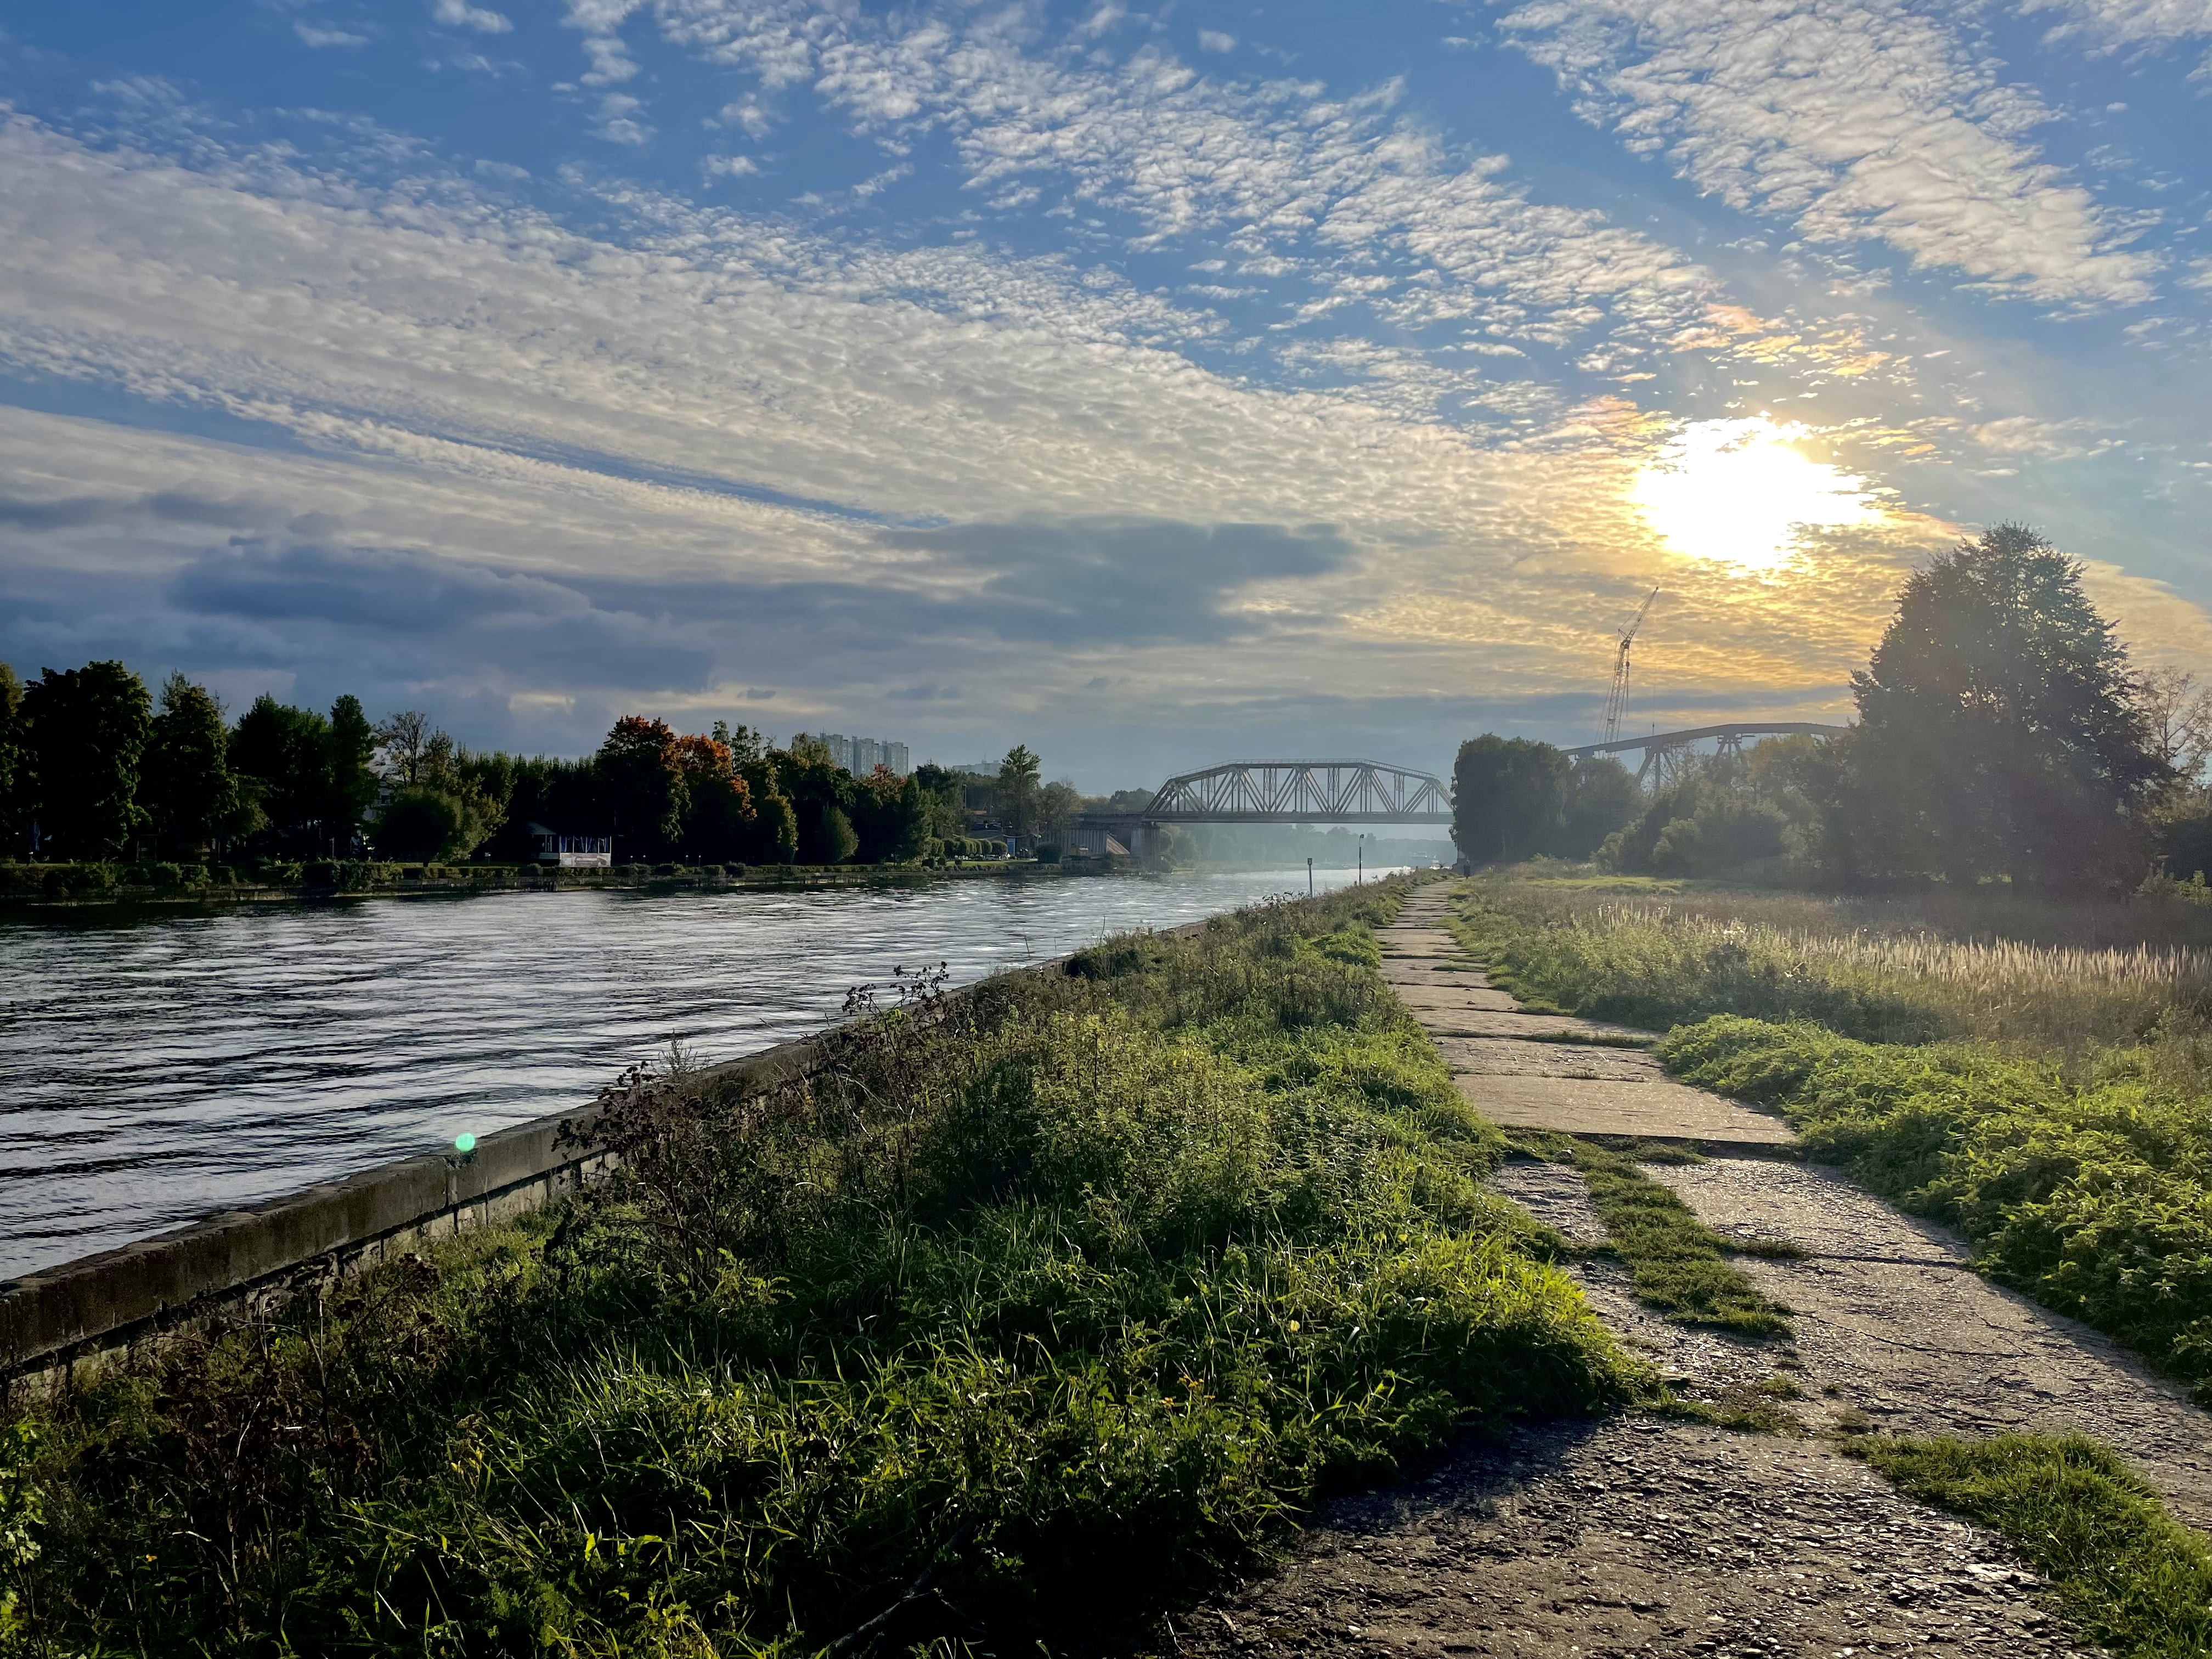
(1056,1307)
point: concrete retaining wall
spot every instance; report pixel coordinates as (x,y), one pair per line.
(85,1311)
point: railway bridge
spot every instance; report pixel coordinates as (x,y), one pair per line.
(1270,792)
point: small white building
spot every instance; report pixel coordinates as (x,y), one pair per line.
(574,852)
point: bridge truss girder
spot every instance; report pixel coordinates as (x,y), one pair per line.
(1301,792)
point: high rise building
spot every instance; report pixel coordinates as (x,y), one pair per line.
(861,755)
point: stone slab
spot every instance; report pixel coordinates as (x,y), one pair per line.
(1505,1057)
(1523,1026)
(1445,1001)
(1458,973)
(1658,1110)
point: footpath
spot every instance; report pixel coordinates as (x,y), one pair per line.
(1649,1536)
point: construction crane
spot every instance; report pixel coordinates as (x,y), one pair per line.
(1616,700)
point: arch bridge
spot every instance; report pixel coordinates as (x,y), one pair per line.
(1273,792)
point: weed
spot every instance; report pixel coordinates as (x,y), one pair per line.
(1676,1263)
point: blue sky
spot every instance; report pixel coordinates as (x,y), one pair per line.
(1150,385)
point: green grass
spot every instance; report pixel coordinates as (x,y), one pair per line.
(2090,1196)
(2127,1576)
(1060,1301)
(1677,1264)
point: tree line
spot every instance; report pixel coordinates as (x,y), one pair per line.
(2003,733)
(93,767)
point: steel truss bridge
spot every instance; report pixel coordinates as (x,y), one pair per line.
(1664,751)
(1301,792)
(1275,792)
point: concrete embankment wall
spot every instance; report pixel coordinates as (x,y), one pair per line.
(85,1311)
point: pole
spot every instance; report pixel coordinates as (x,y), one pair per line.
(1309,876)
(1359,877)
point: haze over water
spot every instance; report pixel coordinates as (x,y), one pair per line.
(156,1069)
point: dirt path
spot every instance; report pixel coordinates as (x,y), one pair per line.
(1642,1536)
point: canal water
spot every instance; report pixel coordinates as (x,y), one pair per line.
(155,1068)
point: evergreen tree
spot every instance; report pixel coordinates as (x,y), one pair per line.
(1018,789)
(351,772)
(1998,733)
(86,729)
(186,785)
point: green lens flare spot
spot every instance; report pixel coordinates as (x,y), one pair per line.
(465,1143)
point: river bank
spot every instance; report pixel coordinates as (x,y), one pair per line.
(42,887)
(1023,1316)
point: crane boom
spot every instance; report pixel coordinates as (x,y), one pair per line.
(1616,698)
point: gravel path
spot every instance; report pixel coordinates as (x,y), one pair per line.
(1639,1535)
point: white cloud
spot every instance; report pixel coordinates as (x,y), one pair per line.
(459,14)
(2124,23)
(615,124)
(312,35)
(1215,41)
(728,167)
(1855,119)
(1277,168)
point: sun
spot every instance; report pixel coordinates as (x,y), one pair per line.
(1739,492)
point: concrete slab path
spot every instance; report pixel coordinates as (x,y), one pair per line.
(1521,1076)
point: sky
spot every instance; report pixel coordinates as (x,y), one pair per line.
(1155,386)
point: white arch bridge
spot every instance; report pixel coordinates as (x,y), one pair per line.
(1273,791)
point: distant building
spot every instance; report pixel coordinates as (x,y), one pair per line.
(861,755)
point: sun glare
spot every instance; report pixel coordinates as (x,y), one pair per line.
(1739,492)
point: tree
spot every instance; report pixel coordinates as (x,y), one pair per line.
(456,802)
(1603,796)
(1018,789)
(87,729)
(282,756)
(2178,714)
(1999,732)
(14,769)
(1058,803)
(945,792)
(402,740)
(643,786)
(719,813)
(1508,797)
(186,785)
(351,771)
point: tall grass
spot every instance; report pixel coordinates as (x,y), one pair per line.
(1034,1311)
(1887,970)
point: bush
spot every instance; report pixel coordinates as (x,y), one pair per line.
(2088,1197)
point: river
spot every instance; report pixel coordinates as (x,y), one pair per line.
(157,1067)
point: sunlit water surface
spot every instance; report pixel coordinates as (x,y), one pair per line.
(154,1069)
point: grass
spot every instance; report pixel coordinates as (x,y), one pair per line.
(1037,1311)
(1677,1264)
(2127,1576)
(2021,972)
(2089,1195)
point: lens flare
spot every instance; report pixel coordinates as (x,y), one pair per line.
(1739,492)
